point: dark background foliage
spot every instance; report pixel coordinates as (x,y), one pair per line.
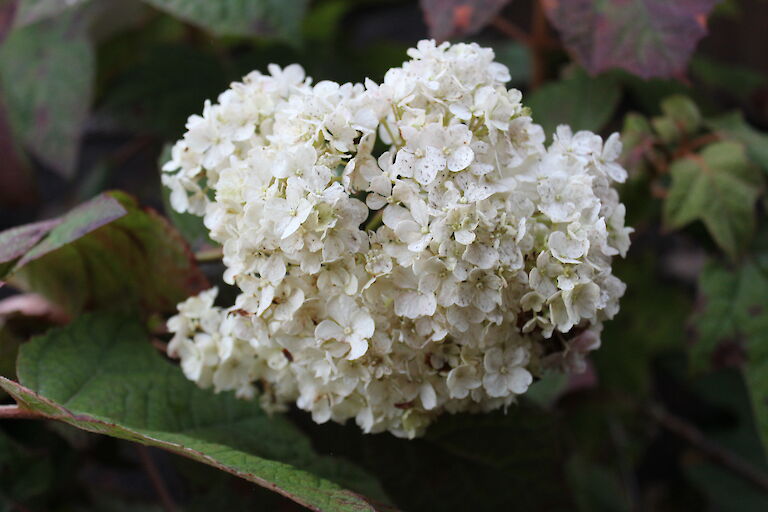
(672,413)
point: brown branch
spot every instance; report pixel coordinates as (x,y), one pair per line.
(711,450)
(512,31)
(157,480)
(14,412)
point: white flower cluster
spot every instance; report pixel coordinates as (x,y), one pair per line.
(401,249)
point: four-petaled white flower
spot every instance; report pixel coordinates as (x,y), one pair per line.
(505,371)
(348,323)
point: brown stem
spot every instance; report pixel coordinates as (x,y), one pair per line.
(690,146)
(512,31)
(14,412)
(711,450)
(209,255)
(539,44)
(160,345)
(157,480)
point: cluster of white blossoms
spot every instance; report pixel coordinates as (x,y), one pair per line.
(401,249)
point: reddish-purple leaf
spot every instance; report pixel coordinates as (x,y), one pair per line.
(650,38)
(22,242)
(17,241)
(7,16)
(457,18)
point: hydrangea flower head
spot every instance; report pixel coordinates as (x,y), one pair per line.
(401,249)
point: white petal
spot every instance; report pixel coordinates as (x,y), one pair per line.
(460,158)
(357,348)
(428,396)
(495,384)
(362,324)
(518,380)
(413,304)
(328,329)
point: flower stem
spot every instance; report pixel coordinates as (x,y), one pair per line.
(14,412)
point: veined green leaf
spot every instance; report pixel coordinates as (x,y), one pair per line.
(276,18)
(100,374)
(718,187)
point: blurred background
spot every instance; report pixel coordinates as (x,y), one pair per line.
(92,92)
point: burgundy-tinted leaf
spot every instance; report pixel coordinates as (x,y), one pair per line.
(110,253)
(457,18)
(22,241)
(16,183)
(46,75)
(7,15)
(646,37)
(80,221)
(15,242)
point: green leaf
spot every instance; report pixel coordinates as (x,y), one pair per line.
(595,486)
(736,309)
(136,260)
(17,186)
(681,117)
(46,75)
(274,18)
(646,37)
(24,243)
(732,426)
(580,101)
(23,473)
(644,328)
(157,95)
(735,127)
(517,57)
(32,11)
(718,187)
(475,462)
(546,391)
(734,79)
(102,375)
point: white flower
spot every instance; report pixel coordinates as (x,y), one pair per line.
(349,324)
(505,372)
(461,380)
(401,249)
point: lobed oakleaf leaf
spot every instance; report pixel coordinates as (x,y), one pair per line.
(736,310)
(107,253)
(457,18)
(101,374)
(274,18)
(46,76)
(680,118)
(719,187)
(735,127)
(650,38)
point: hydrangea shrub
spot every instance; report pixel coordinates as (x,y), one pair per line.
(401,249)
